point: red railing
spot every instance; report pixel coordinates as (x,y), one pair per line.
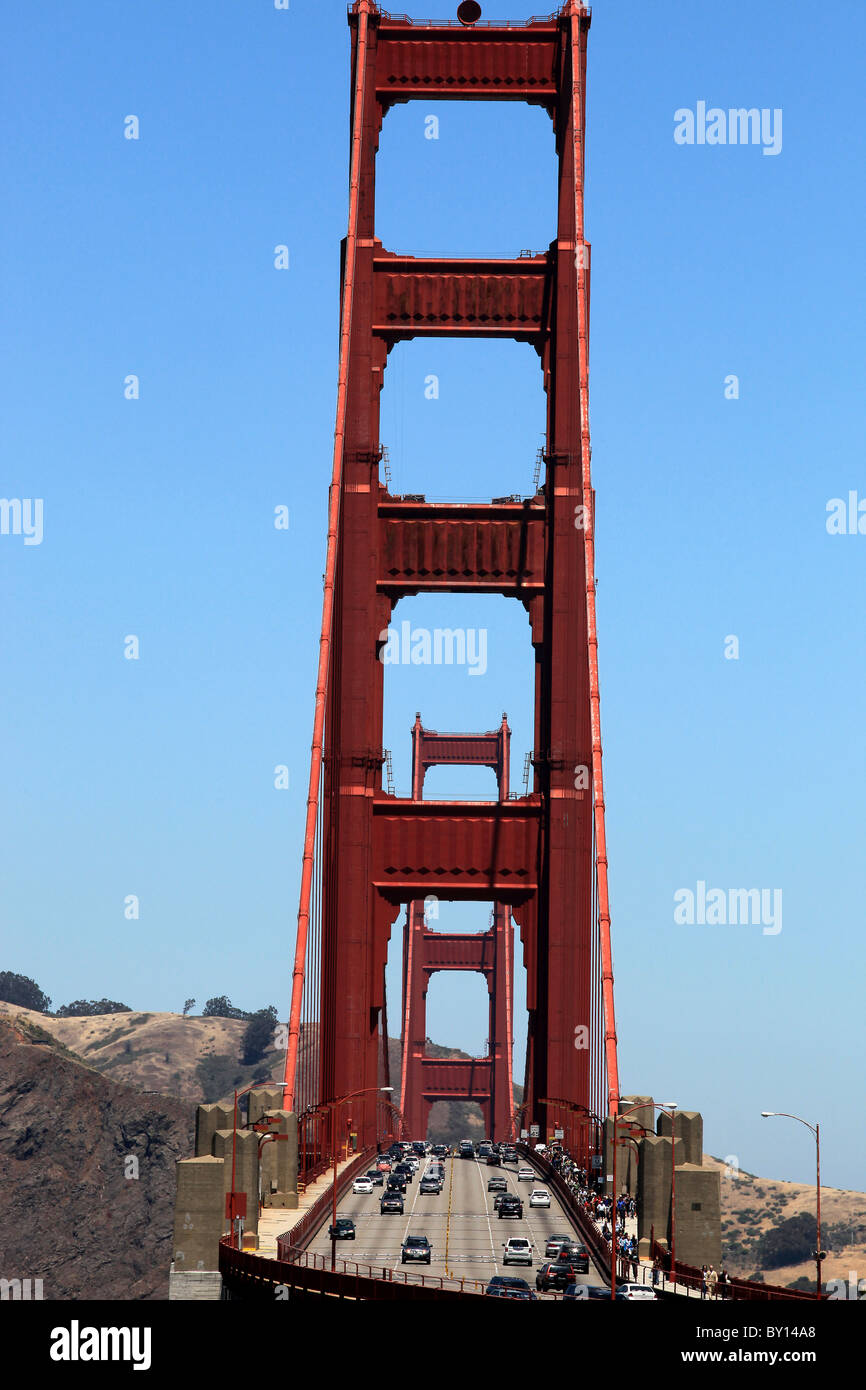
(254,1276)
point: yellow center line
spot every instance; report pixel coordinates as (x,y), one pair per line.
(450,1274)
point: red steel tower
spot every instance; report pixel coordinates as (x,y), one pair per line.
(541,857)
(487,1080)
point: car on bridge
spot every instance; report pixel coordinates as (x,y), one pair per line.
(555,1243)
(497,1184)
(467,1148)
(391,1202)
(555,1274)
(517,1251)
(404,1170)
(430,1184)
(441,1151)
(417,1249)
(505,1286)
(363,1186)
(540,1197)
(636,1293)
(579,1291)
(509,1204)
(525,1175)
(384,1165)
(493,1159)
(342,1229)
(376,1176)
(396,1183)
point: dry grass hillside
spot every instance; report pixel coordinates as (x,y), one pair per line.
(753,1206)
(192,1058)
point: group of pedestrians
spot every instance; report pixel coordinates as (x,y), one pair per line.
(715,1285)
(600,1209)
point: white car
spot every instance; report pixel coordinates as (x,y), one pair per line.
(638,1293)
(525,1175)
(362,1185)
(518,1251)
(539,1198)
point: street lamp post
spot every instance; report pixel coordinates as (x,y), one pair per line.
(333,1106)
(816,1130)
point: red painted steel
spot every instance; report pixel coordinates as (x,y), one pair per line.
(459,298)
(543,856)
(365,8)
(469,549)
(487,1081)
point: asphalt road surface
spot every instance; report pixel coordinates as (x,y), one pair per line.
(466,1233)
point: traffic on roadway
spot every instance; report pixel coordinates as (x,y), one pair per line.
(482,1218)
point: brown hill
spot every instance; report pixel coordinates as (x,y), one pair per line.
(87,1173)
(752,1207)
(193,1058)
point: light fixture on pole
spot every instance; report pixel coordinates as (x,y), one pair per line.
(820,1255)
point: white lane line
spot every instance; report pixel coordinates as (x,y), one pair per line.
(417,1175)
(487,1209)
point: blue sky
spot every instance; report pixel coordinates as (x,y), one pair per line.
(155,257)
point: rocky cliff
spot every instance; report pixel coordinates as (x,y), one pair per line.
(86,1173)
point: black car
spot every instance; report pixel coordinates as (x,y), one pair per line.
(580,1291)
(342,1229)
(440,1151)
(505,1286)
(404,1170)
(509,1205)
(417,1249)
(497,1184)
(493,1159)
(376,1177)
(579,1256)
(397,1182)
(391,1201)
(555,1274)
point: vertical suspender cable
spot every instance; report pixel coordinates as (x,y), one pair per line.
(577,12)
(359,102)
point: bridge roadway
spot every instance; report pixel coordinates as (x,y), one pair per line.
(461,1224)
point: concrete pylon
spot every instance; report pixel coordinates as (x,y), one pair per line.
(246,1168)
(688,1126)
(263,1099)
(280,1162)
(208,1119)
(654,1185)
(199,1213)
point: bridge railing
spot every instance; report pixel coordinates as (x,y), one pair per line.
(686,1275)
(256,1277)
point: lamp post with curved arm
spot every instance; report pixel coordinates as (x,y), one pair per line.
(816,1130)
(333,1106)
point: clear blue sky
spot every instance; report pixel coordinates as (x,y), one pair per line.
(155,257)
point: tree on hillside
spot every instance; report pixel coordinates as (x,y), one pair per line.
(91,1008)
(190,1004)
(790,1243)
(258,1035)
(222,1007)
(21,990)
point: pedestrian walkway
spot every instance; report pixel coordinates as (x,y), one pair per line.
(278,1221)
